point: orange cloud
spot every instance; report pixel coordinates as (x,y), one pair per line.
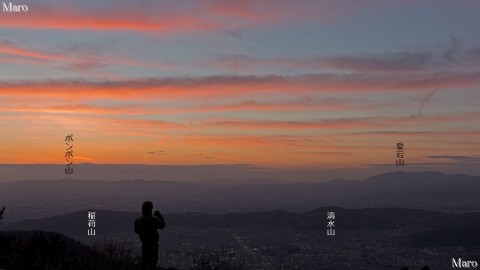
(294,125)
(221,86)
(342,123)
(136,109)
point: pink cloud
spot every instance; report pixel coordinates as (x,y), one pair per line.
(171,16)
(116,16)
(77,59)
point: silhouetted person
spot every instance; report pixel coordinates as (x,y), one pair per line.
(146,227)
(1,212)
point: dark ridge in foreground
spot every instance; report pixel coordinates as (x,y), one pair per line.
(48,250)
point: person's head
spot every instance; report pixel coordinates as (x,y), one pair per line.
(147,208)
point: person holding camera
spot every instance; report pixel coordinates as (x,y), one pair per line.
(146,227)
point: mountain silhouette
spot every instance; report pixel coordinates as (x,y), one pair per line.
(73,224)
(395,185)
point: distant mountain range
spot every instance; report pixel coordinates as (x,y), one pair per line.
(388,186)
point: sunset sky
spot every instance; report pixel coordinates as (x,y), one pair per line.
(322,84)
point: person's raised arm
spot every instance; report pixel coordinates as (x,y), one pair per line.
(161,220)
(1,212)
